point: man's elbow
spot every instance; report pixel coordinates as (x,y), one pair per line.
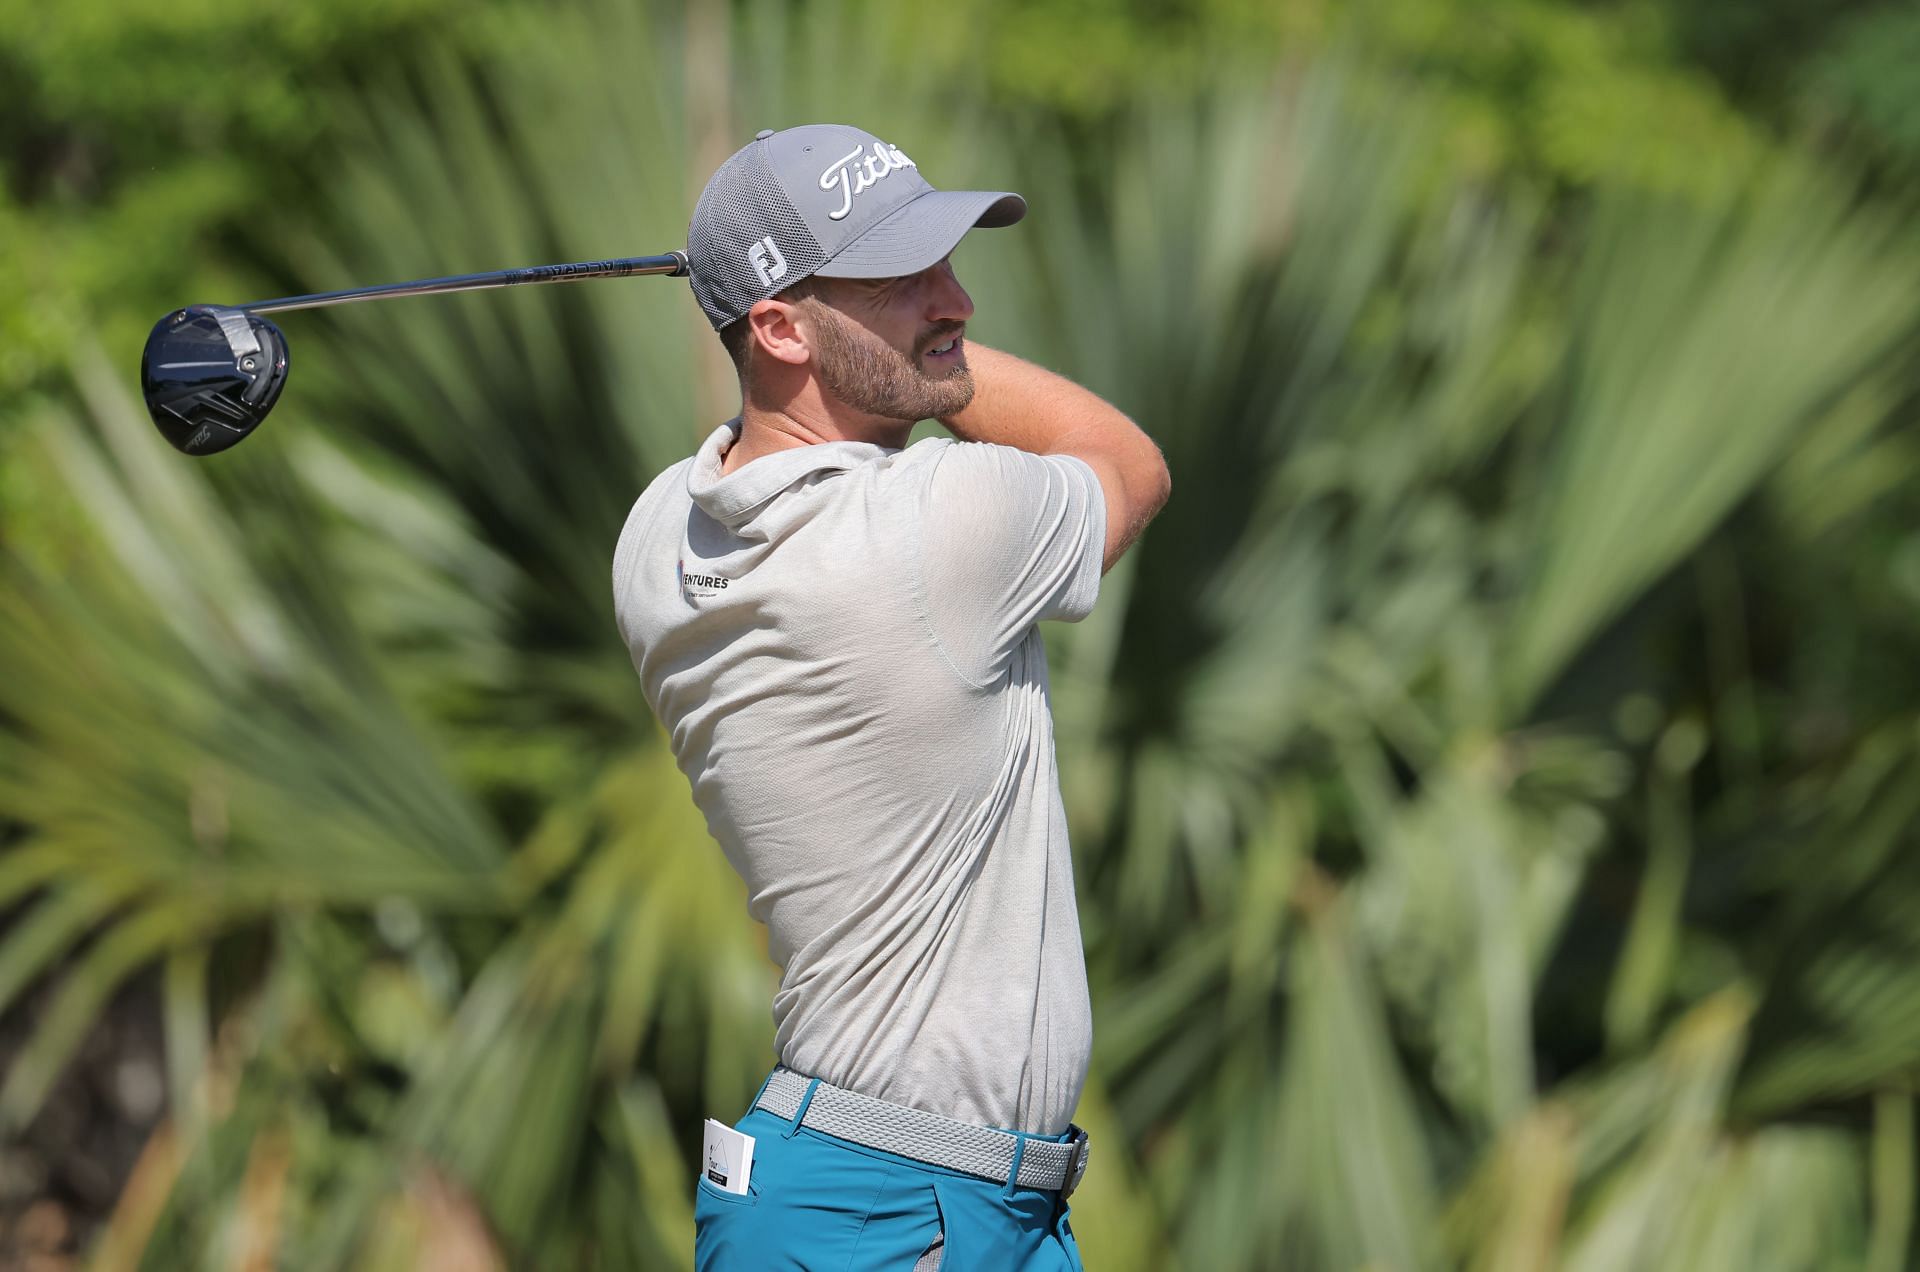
(1155,482)
(1162,482)
(1144,486)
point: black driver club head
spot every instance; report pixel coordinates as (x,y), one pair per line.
(210,375)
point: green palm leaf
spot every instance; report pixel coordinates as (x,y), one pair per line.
(1711,340)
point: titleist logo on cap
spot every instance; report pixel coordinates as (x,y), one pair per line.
(855,178)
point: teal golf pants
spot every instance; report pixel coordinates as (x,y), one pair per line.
(822,1204)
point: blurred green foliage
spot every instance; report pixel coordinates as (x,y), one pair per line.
(1860,84)
(135,135)
(1494,781)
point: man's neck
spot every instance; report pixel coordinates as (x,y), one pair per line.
(768,428)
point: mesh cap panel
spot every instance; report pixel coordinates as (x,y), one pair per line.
(746,242)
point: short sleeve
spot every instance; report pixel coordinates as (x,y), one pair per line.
(1008,539)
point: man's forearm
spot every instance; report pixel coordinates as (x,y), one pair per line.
(1016,403)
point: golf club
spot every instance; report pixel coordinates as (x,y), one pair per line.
(210,373)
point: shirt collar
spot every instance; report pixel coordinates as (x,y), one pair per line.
(733,498)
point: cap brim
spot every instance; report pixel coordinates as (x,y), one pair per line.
(920,233)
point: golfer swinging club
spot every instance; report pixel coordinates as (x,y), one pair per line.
(838,632)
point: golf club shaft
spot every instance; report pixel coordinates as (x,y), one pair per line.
(672,263)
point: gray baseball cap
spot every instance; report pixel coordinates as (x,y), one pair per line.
(823,199)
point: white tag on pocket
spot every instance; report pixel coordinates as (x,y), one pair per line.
(729,1157)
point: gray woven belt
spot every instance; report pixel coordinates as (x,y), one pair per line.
(926,1137)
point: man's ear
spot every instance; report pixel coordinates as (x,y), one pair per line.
(775,327)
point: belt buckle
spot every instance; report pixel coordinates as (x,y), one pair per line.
(1076,1164)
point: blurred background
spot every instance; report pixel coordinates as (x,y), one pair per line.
(1494,780)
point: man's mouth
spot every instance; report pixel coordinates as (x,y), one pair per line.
(948,348)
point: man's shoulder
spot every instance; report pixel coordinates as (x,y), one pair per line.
(952,458)
(669,485)
(671,480)
(998,471)
(890,479)
(659,493)
(921,455)
(941,469)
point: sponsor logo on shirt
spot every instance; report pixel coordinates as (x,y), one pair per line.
(692,585)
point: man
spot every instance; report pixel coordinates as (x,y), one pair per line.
(838,632)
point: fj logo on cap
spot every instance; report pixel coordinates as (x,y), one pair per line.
(852,173)
(766,260)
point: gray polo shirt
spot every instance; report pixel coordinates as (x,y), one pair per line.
(840,641)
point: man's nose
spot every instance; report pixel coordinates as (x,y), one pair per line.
(948,300)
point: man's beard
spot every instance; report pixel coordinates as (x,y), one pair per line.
(870,375)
